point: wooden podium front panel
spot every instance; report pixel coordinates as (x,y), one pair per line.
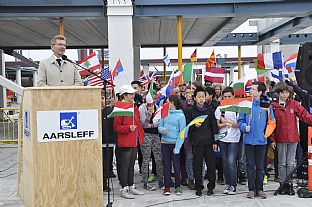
(66,173)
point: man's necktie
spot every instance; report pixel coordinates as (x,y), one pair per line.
(59,61)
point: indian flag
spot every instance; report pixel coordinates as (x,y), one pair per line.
(122,109)
(239,105)
(239,87)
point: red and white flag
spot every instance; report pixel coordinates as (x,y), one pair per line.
(91,62)
(162,112)
(215,75)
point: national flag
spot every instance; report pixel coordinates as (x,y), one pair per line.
(187,72)
(117,70)
(167,61)
(106,74)
(194,56)
(277,75)
(239,87)
(143,78)
(199,119)
(239,105)
(177,77)
(290,66)
(211,60)
(215,75)
(150,94)
(91,62)
(259,70)
(270,60)
(291,61)
(122,109)
(162,112)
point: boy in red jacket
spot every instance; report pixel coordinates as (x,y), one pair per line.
(285,136)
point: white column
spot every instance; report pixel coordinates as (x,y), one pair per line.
(120,38)
(232,75)
(3,94)
(35,78)
(19,82)
(137,62)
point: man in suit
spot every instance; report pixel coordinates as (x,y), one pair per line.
(54,71)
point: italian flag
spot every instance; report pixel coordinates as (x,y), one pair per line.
(122,109)
(239,87)
(150,94)
(161,113)
(239,105)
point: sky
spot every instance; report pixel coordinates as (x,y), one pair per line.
(157,53)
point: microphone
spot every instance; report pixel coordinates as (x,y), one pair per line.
(64,57)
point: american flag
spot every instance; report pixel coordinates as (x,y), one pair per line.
(96,81)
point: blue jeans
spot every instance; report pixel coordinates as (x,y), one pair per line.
(255,155)
(229,155)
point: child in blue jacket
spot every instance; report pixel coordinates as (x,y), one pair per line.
(170,128)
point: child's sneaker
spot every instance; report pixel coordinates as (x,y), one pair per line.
(151,178)
(178,191)
(149,187)
(265,180)
(167,191)
(126,194)
(226,190)
(232,190)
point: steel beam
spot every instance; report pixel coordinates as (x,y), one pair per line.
(224,29)
(222,8)
(296,39)
(284,28)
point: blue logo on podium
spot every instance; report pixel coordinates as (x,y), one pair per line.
(68,120)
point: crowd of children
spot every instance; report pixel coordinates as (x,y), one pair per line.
(243,139)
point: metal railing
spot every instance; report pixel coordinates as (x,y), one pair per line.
(9,125)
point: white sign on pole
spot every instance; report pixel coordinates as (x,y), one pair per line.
(54,126)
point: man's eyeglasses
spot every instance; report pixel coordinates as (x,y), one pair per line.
(60,44)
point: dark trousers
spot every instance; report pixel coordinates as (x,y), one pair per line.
(107,157)
(255,166)
(140,158)
(169,157)
(183,163)
(200,153)
(127,161)
(118,163)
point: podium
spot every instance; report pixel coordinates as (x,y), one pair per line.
(60,147)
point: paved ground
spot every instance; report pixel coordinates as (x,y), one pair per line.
(9,197)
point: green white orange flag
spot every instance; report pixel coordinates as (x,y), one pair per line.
(239,105)
(150,94)
(122,109)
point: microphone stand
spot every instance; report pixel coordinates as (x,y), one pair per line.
(105,82)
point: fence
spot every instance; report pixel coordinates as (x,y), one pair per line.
(9,125)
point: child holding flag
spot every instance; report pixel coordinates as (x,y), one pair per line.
(130,134)
(170,128)
(201,136)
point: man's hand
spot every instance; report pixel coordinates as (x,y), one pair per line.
(198,124)
(214,146)
(164,131)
